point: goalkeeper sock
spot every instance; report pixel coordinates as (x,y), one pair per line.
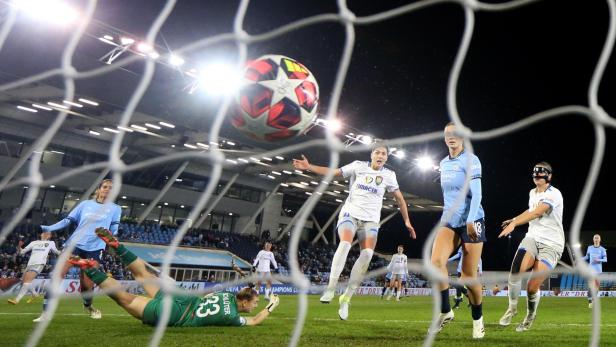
(476,311)
(97,276)
(398,295)
(126,256)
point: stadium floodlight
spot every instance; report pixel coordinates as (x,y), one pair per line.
(203,145)
(108,37)
(219,79)
(176,60)
(72,103)
(577,245)
(231,143)
(334,124)
(138,127)
(425,163)
(168,125)
(271,177)
(287,172)
(42,107)
(96,133)
(52,186)
(57,105)
(89,102)
(365,139)
(153,126)
(399,154)
(27,109)
(128,130)
(188,145)
(279,157)
(125,41)
(111,130)
(54,11)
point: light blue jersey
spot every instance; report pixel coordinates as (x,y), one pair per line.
(459,256)
(596,256)
(453,175)
(88,216)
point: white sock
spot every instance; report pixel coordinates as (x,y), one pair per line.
(515,286)
(386,292)
(398,295)
(358,271)
(23,291)
(532,301)
(338,263)
(267,292)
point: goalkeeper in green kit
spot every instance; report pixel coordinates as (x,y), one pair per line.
(220,308)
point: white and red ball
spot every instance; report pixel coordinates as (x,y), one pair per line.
(278,99)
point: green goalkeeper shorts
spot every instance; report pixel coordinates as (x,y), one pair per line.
(180,306)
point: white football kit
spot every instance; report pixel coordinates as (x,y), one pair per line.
(263,260)
(398,264)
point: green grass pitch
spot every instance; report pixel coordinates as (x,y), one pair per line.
(372,322)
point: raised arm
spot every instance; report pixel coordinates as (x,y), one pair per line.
(54,249)
(304,164)
(523,218)
(404,212)
(58,226)
(28,248)
(261,316)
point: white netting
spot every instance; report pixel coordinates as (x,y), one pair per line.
(593,111)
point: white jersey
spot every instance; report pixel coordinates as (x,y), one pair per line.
(263,259)
(367,187)
(40,251)
(397,265)
(547,229)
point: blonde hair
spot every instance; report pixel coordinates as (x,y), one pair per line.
(100,185)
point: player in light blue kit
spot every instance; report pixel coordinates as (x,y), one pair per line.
(596,255)
(460,289)
(466,226)
(87,216)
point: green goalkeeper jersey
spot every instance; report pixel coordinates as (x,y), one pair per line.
(188,311)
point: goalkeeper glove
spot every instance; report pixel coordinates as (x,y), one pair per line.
(273,303)
(253,269)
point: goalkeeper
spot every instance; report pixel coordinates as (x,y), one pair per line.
(221,308)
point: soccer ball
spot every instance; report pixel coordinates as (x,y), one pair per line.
(278,99)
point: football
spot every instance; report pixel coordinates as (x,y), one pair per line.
(278,99)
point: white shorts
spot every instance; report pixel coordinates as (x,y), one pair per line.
(38,268)
(398,277)
(541,251)
(363,229)
(264,274)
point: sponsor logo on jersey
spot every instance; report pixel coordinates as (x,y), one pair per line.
(378,180)
(369,179)
(367,188)
(46,244)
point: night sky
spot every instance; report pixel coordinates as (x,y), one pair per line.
(520,62)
